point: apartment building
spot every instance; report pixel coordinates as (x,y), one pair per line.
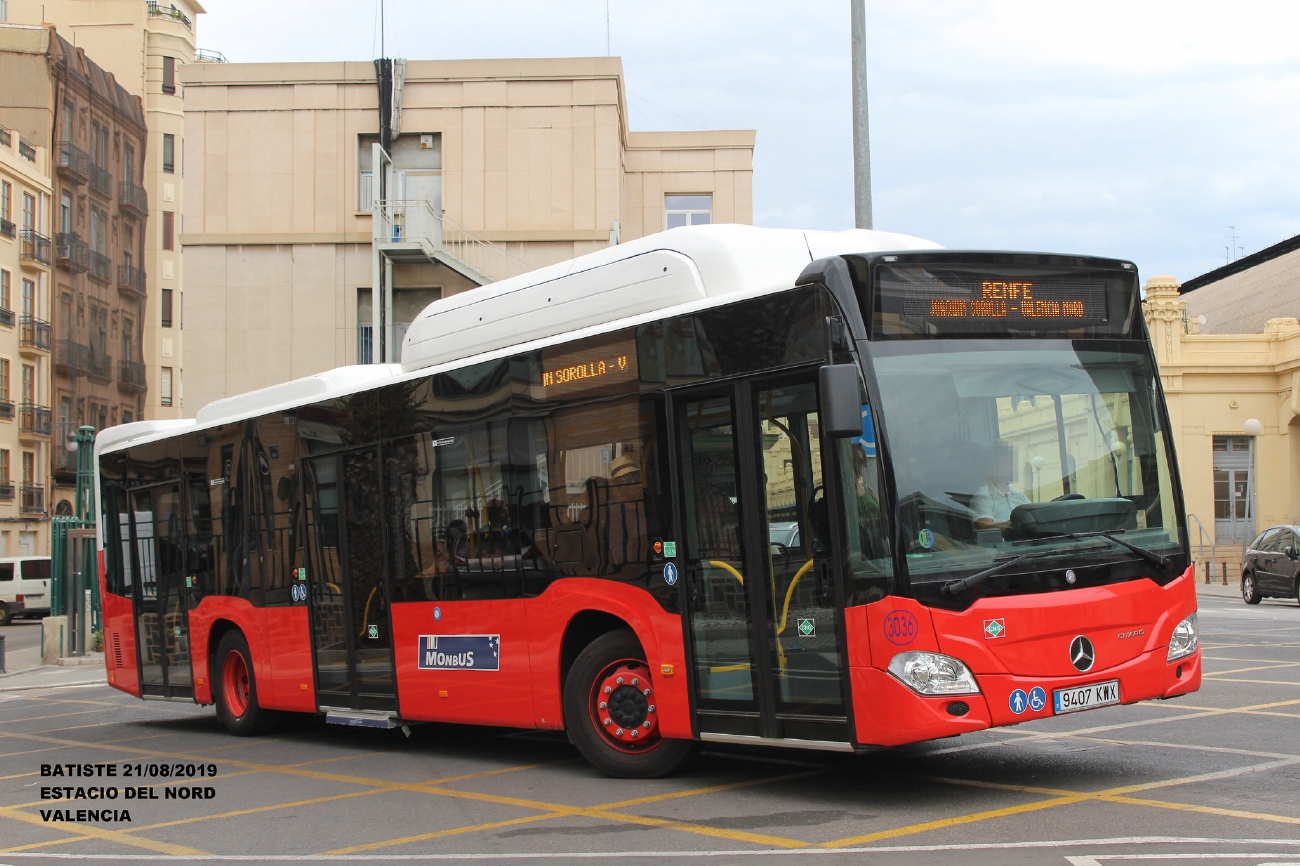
(25,271)
(144,44)
(500,166)
(84,331)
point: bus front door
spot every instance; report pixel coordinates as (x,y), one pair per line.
(158,543)
(348,590)
(764,628)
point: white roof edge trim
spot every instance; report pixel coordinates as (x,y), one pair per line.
(125,434)
(295,391)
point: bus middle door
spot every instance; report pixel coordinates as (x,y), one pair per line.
(352,638)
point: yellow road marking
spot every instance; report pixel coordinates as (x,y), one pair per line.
(1256,682)
(45,718)
(556,810)
(89,831)
(1205,810)
(1258,667)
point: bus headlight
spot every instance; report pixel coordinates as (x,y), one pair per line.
(933,674)
(1184,640)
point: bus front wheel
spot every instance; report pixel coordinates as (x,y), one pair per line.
(234,689)
(611,713)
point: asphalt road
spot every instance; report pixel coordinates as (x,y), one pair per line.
(1212,776)
(22,643)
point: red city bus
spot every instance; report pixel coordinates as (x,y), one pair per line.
(721,484)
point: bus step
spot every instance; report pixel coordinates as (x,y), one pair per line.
(363,718)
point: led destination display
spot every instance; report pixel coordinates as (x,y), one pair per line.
(596,364)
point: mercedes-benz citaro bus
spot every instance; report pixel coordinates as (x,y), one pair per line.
(831,491)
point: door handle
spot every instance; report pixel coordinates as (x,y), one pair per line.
(825,585)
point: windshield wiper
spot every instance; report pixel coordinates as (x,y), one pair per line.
(1109,535)
(953,587)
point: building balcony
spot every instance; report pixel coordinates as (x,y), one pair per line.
(101,267)
(206,55)
(71,252)
(134,199)
(99,367)
(72,163)
(8,229)
(34,420)
(6,491)
(7,409)
(101,180)
(157,10)
(70,358)
(31,499)
(131,282)
(130,377)
(34,247)
(33,335)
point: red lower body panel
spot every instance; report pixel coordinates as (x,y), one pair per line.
(119,643)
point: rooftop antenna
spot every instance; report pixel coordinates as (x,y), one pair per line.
(606,28)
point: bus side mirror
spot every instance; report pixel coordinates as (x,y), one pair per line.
(841,400)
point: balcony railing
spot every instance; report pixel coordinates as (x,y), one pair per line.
(131,282)
(130,377)
(70,357)
(101,267)
(34,419)
(71,252)
(34,247)
(32,499)
(34,333)
(157,10)
(99,367)
(73,162)
(101,180)
(206,55)
(6,491)
(6,139)
(7,408)
(8,318)
(134,199)
(7,228)
(26,151)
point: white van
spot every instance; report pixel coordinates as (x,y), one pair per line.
(24,587)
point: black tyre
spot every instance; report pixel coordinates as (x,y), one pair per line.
(1250,589)
(234,689)
(610,712)
(5,616)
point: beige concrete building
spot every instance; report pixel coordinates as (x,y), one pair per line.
(500,166)
(144,45)
(25,270)
(1234,397)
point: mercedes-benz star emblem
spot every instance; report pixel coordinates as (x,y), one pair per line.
(1081,654)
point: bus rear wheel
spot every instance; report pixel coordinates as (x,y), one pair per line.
(234,689)
(611,714)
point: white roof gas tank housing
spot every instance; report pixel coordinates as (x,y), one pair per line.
(680,268)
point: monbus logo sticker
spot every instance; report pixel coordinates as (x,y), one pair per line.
(473,652)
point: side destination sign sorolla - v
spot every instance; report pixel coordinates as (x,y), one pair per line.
(472,652)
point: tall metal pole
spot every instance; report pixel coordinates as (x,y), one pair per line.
(861,129)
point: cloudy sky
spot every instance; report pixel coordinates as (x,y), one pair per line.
(1139,129)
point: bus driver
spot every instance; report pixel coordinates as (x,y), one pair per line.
(993,503)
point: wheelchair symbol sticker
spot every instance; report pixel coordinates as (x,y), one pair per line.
(1037,698)
(670,574)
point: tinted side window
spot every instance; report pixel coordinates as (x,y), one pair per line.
(36,569)
(6,571)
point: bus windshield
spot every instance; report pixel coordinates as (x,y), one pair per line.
(1052,448)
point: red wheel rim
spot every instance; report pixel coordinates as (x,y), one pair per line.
(622,707)
(235,685)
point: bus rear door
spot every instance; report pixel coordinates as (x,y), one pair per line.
(158,545)
(764,629)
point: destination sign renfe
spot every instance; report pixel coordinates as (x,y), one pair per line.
(1000,300)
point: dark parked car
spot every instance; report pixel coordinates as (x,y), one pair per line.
(1270,567)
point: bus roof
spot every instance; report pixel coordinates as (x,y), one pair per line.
(664,274)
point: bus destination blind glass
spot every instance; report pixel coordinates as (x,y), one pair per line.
(916,301)
(588,366)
